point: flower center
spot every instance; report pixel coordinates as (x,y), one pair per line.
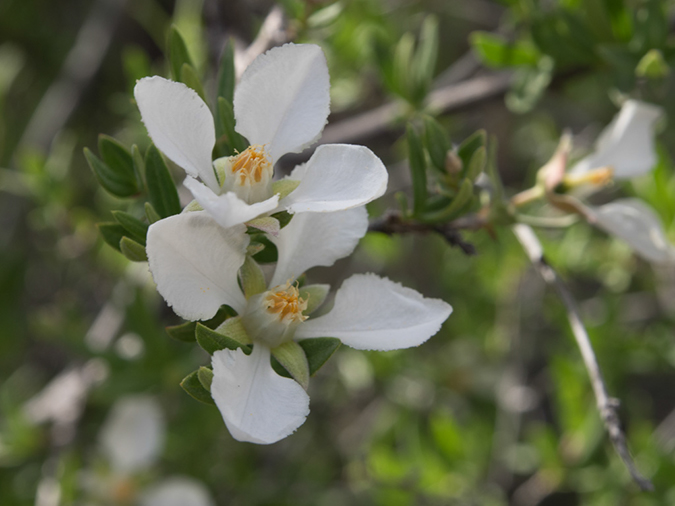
(286,304)
(248,174)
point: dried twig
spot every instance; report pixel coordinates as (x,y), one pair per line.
(607,406)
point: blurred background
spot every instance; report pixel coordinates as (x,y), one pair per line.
(495,409)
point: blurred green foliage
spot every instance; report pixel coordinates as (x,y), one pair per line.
(496,409)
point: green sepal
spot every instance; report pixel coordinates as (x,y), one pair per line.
(269,254)
(161,188)
(112,233)
(266,224)
(476,164)
(467,148)
(437,143)
(184,332)
(193,206)
(224,337)
(283,217)
(178,53)
(115,183)
(315,295)
(226,75)
(252,278)
(205,376)
(151,214)
(188,76)
(417,170)
(284,187)
(226,117)
(136,228)
(133,250)
(318,351)
(291,357)
(195,389)
(254,248)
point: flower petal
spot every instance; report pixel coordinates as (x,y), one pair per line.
(194,262)
(228,209)
(180,124)
(627,143)
(177,491)
(336,177)
(373,313)
(313,239)
(257,404)
(283,99)
(133,434)
(638,225)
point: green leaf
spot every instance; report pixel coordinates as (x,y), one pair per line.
(269,254)
(161,188)
(139,165)
(424,63)
(195,389)
(476,164)
(151,214)
(178,53)
(315,295)
(402,66)
(184,332)
(226,118)
(115,183)
(226,74)
(136,228)
(133,250)
(205,376)
(318,351)
(495,51)
(188,75)
(463,197)
(437,143)
(229,335)
(292,357)
(118,158)
(112,233)
(283,217)
(467,148)
(529,85)
(417,170)
(252,278)
(652,65)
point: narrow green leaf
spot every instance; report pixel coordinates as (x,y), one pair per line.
(115,183)
(161,188)
(139,165)
(151,214)
(315,295)
(112,233)
(318,351)
(283,217)
(437,143)
(424,64)
(476,164)
(292,357)
(529,85)
(417,170)
(495,51)
(226,117)
(402,65)
(133,250)
(252,278)
(117,157)
(463,197)
(178,53)
(226,75)
(205,376)
(195,389)
(184,332)
(468,147)
(136,228)
(188,75)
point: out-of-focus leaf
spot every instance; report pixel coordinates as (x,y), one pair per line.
(418,170)
(114,182)
(112,233)
(178,53)
(495,51)
(424,63)
(652,65)
(564,37)
(188,75)
(529,85)
(133,250)
(226,75)
(136,229)
(437,143)
(470,145)
(226,118)
(476,164)
(402,66)
(161,188)
(151,214)
(195,389)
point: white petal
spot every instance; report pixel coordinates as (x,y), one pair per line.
(177,491)
(627,143)
(180,124)
(133,434)
(313,239)
(283,99)
(373,313)
(257,404)
(638,225)
(194,262)
(228,209)
(336,177)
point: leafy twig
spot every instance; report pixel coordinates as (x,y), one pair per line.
(607,406)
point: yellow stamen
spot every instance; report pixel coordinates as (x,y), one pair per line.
(252,165)
(596,177)
(287,303)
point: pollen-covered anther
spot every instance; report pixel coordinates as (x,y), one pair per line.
(254,165)
(287,304)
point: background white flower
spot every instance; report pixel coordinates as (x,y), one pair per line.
(281,106)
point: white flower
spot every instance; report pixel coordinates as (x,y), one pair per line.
(197,268)
(281,106)
(132,438)
(625,149)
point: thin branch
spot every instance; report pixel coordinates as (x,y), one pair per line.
(607,406)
